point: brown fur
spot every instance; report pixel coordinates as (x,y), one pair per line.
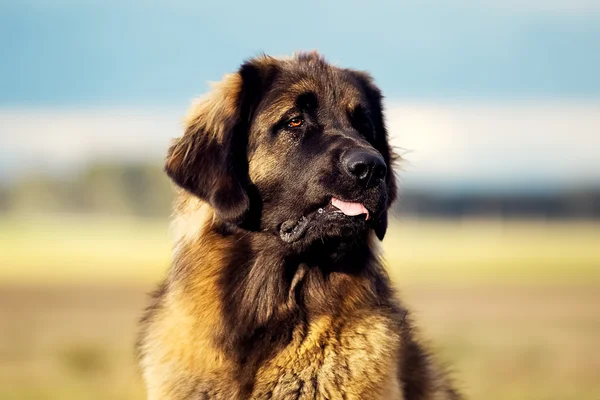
(243,315)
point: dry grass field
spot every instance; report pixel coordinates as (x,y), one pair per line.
(512,306)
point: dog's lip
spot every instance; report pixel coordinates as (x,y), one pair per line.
(293,229)
(327,205)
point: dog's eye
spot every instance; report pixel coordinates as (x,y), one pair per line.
(295,122)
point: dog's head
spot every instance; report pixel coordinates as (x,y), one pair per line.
(294,146)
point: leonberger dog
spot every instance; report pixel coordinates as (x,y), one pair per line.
(277,290)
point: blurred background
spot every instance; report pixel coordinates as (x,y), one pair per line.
(494,105)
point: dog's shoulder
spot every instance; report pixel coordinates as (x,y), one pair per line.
(178,358)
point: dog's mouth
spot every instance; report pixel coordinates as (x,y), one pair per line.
(293,230)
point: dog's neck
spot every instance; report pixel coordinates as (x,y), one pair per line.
(260,270)
(263,283)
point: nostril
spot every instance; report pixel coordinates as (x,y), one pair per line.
(360,170)
(379,172)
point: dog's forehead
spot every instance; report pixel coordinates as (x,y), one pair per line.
(333,87)
(331,84)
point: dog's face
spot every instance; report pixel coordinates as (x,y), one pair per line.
(294,146)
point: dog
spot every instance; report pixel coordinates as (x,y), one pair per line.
(276,290)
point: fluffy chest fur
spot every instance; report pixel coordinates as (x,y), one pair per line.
(335,359)
(351,357)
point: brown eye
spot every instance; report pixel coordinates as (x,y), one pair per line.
(295,122)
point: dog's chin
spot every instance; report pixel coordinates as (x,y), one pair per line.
(323,224)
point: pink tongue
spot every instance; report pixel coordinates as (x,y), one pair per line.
(349,208)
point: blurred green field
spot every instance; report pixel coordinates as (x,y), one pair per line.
(511,305)
(128,250)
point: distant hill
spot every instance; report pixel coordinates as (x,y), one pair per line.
(584,204)
(142,189)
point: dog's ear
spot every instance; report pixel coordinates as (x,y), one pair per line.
(210,159)
(374,98)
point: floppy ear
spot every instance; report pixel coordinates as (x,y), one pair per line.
(210,159)
(374,98)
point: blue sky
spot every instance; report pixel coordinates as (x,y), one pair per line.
(133,52)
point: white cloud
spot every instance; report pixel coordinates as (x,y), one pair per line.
(494,144)
(500,143)
(67,138)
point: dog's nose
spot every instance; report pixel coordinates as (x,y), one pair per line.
(367,167)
